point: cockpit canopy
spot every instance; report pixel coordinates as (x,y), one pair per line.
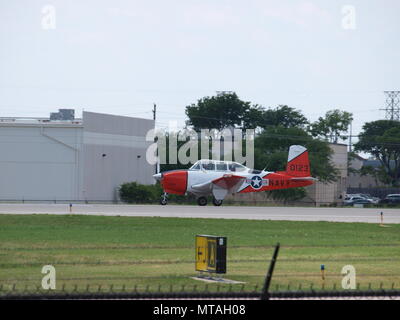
(215,165)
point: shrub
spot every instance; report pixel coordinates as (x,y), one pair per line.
(133,192)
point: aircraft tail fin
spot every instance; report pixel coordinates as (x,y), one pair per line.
(298,164)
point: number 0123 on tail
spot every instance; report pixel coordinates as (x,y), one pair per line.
(220,178)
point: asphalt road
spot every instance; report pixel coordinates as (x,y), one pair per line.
(224,212)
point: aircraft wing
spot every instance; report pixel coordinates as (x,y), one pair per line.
(228,181)
(304,179)
(221,186)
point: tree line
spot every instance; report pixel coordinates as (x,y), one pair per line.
(280,127)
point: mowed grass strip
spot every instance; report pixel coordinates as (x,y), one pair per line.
(156,253)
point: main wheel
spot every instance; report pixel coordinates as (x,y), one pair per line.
(217,202)
(202,201)
(163,200)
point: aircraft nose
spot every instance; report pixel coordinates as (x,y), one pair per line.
(175,181)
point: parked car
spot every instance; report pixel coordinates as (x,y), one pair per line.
(391,199)
(374,200)
(362,201)
(356,200)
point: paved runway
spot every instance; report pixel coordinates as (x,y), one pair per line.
(224,212)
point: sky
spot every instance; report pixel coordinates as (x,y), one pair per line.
(120,57)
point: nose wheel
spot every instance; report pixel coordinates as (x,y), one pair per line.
(217,202)
(164,199)
(202,201)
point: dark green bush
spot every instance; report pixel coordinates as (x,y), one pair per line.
(133,192)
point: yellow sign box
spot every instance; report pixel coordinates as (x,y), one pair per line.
(211,254)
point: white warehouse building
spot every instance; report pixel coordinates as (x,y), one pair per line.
(67,159)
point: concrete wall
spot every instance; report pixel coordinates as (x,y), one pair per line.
(40,162)
(356,180)
(114,153)
(326,193)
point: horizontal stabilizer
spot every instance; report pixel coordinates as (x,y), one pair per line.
(304,179)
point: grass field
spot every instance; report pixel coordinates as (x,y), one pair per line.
(95,252)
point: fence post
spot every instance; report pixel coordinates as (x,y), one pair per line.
(264,293)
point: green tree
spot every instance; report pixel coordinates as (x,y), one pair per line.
(378,174)
(333,126)
(217,112)
(283,116)
(272,145)
(227,110)
(350,157)
(271,152)
(381,138)
(278,129)
(253,117)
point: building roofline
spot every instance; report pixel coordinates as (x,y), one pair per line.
(46,122)
(114,115)
(337,144)
(359,157)
(49,124)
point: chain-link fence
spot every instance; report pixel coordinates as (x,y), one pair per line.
(203,294)
(297,273)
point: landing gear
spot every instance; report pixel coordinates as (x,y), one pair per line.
(217,202)
(202,201)
(164,199)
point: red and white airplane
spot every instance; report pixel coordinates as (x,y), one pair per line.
(218,178)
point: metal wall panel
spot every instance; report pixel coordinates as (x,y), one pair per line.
(114,153)
(39,163)
(61,162)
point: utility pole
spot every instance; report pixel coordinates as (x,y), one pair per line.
(157,167)
(392,105)
(351,133)
(154,111)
